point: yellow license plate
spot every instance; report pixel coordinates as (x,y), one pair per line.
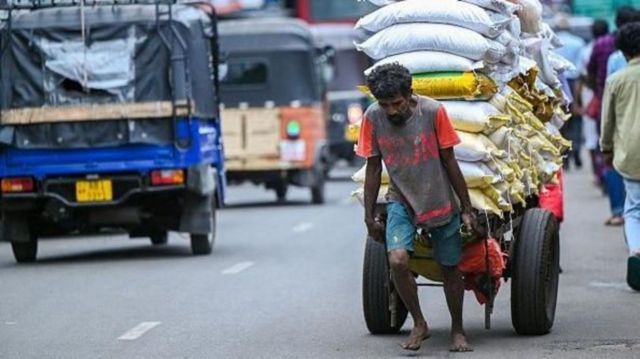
(94,191)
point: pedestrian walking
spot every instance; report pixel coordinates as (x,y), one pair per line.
(603,48)
(571,50)
(415,138)
(584,96)
(619,141)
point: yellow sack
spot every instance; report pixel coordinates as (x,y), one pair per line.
(423,262)
(476,147)
(352,132)
(451,86)
(477,174)
(455,85)
(481,202)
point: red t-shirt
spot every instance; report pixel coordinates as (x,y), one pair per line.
(446,135)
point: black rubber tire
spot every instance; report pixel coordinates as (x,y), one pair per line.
(376,287)
(202,244)
(535,276)
(25,252)
(318,191)
(159,238)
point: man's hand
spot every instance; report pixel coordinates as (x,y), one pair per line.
(375,228)
(608,158)
(469,221)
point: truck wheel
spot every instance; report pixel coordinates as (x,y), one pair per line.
(202,244)
(536,268)
(317,191)
(378,294)
(24,241)
(159,238)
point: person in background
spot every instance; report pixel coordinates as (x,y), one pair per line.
(597,67)
(619,140)
(571,50)
(617,60)
(583,97)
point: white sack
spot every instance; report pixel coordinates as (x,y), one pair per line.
(500,6)
(381,2)
(472,116)
(403,38)
(530,15)
(430,61)
(436,12)
(476,147)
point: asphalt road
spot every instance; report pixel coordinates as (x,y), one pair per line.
(284,282)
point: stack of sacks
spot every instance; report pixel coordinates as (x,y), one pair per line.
(469,55)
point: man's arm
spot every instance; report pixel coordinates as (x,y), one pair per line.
(459,185)
(608,123)
(371,190)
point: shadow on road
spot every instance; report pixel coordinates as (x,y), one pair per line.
(141,253)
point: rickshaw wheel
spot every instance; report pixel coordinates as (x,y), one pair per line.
(377,292)
(202,244)
(536,268)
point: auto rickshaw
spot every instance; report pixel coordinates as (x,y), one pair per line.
(347,103)
(274,105)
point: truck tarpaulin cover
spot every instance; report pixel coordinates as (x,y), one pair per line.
(46,62)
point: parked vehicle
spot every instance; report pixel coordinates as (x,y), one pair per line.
(274,105)
(109,119)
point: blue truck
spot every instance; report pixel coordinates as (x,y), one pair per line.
(109,120)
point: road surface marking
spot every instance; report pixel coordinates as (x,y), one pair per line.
(10,323)
(614,285)
(237,268)
(302,227)
(139,330)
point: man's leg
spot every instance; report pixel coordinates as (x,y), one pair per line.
(447,247)
(632,232)
(400,232)
(407,288)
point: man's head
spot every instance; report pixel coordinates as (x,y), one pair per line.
(628,40)
(390,84)
(625,15)
(599,28)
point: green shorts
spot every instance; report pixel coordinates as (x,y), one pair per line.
(446,239)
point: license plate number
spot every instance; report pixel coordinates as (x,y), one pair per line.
(94,191)
(292,150)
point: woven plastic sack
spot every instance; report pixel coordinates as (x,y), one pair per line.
(430,61)
(435,12)
(361,174)
(454,85)
(382,195)
(475,117)
(477,174)
(455,40)
(500,6)
(381,2)
(481,202)
(423,262)
(476,147)
(530,15)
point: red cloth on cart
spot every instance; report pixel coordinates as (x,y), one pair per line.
(552,197)
(474,267)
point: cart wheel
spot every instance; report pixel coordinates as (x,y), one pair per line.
(202,244)
(379,300)
(536,268)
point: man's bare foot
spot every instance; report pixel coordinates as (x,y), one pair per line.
(459,343)
(419,333)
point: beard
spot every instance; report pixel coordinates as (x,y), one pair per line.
(399,119)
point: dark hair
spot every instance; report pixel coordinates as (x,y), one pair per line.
(599,28)
(625,15)
(628,39)
(389,80)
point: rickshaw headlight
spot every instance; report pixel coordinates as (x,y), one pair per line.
(293,130)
